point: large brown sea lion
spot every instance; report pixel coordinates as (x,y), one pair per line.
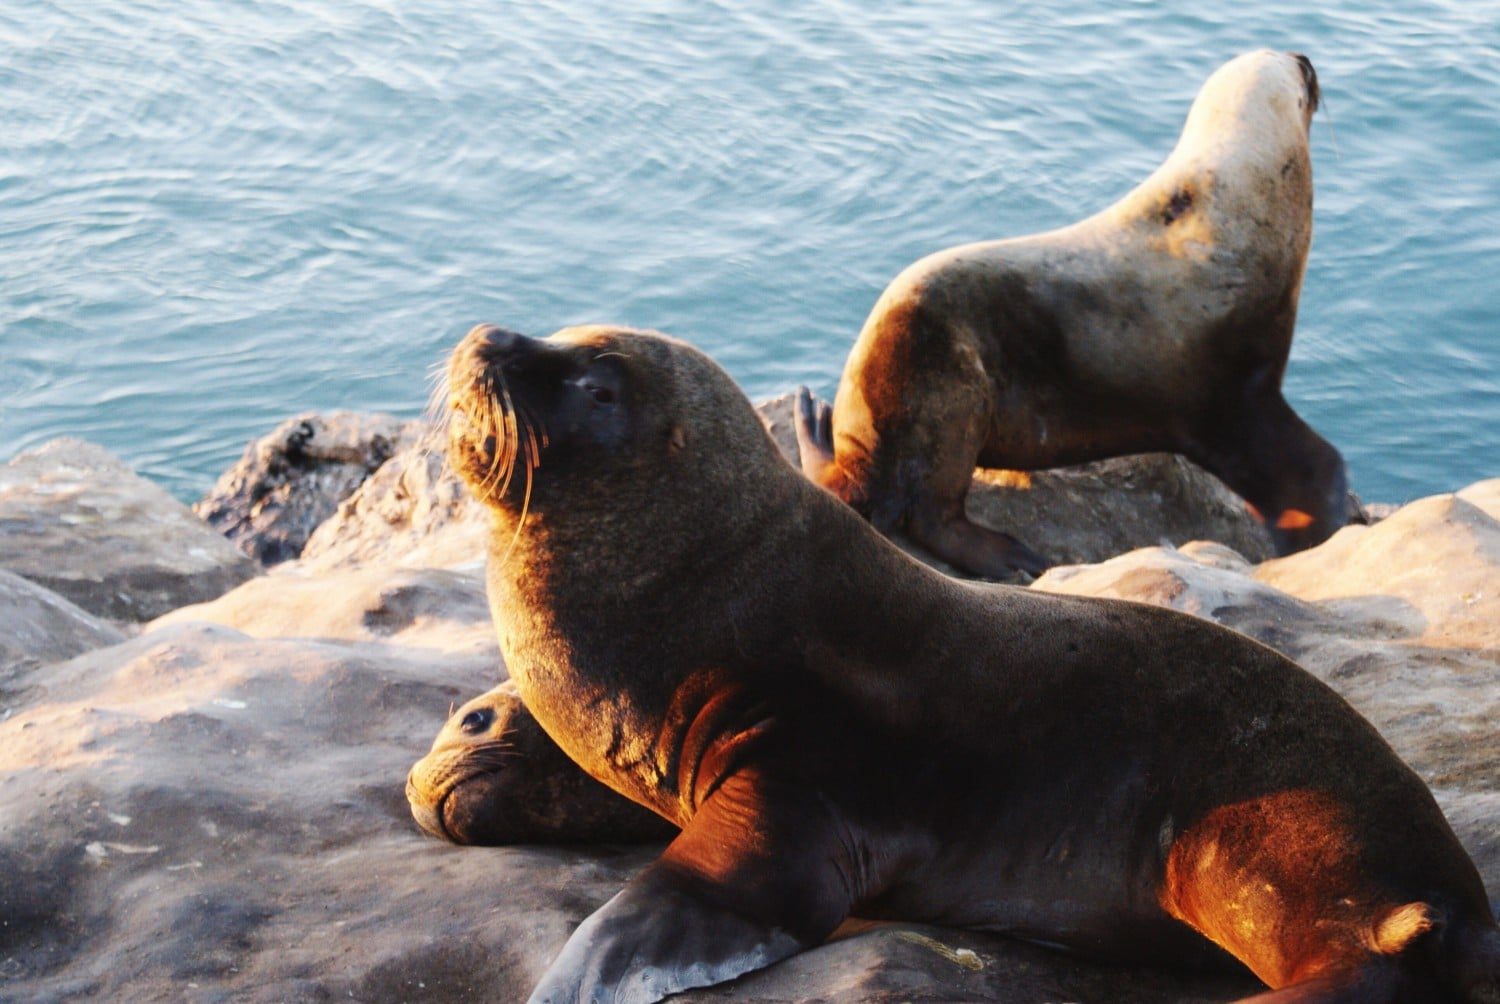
(839,729)
(493,777)
(1162,323)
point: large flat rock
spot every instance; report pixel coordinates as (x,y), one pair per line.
(76,520)
(423,610)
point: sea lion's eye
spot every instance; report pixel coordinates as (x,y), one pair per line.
(475,721)
(601,395)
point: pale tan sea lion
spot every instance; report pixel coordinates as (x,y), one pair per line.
(1162,323)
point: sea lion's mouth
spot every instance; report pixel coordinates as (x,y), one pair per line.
(1310,81)
(433,780)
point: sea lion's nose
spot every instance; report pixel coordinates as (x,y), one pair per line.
(494,343)
(1309,77)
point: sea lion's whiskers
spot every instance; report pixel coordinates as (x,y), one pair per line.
(497,427)
(512,435)
(525,500)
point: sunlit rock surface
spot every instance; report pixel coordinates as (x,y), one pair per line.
(413,511)
(429,610)
(292,479)
(213,810)
(76,520)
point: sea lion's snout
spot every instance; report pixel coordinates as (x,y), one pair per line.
(485,347)
(426,803)
(1309,79)
(491,432)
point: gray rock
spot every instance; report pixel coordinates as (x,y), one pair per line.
(76,520)
(288,482)
(1092,511)
(41,627)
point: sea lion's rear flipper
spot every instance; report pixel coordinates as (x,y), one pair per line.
(944,530)
(749,881)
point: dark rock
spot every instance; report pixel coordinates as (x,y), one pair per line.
(290,481)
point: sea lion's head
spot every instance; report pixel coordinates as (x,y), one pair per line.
(602,432)
(1260,97)
(493,777)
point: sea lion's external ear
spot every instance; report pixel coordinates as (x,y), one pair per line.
(677,438)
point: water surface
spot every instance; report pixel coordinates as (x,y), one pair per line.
(214,215)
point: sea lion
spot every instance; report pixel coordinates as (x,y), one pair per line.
(1161,324)
(840,730)
(493,777)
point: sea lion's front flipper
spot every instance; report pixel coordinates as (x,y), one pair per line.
(753,878)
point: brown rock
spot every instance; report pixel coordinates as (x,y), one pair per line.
(412,512)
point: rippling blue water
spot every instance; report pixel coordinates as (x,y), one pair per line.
(213,215)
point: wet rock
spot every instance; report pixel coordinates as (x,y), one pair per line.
(288,482)
(1092,511)
(77,521)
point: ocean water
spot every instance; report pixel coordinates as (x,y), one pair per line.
(216,214)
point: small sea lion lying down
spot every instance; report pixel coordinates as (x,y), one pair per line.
(493,777)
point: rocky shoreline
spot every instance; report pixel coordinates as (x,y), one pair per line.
(205,719)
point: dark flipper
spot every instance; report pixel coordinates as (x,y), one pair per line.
(977,550)
(750,880)
(658,936)
(814,425)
